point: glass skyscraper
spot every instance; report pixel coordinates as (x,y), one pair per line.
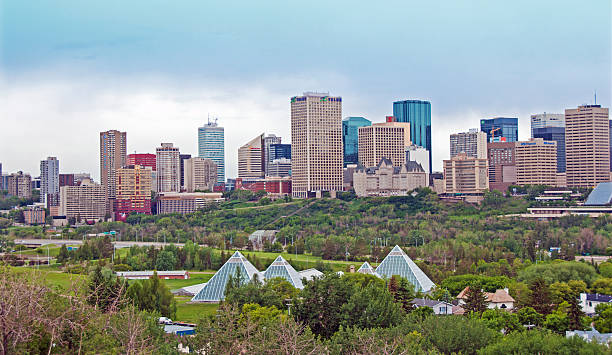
(280,151)
(507,127)
(350,138)
(211,145)
(551,127)
(418,114)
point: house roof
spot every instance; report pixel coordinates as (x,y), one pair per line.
(281,268)
(424,302)
(398,263)
(597,297)
(499,296)
(590,335)
(413,166)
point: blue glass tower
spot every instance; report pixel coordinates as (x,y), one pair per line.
(280,151)
(350,138)
(418,114)
(507,127)
(556,134)
(211,145)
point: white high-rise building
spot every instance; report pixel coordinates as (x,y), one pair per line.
(168,165)
(316,139)
(211,145)
(472,143)
(251,159)
(49,182)
(200,174)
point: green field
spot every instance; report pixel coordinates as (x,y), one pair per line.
(192,312)
(194,279)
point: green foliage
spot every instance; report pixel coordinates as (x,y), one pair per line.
(540,296)
(602,285)
(455,284)
(528,316)
(541,342)
(603,320)
(559,272)
(106,291)
(456,334)
(372,307)
(272,293)
(165,261)
(153,295)
(499,320)
(475,300)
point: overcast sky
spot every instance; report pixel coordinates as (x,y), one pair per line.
(156,69)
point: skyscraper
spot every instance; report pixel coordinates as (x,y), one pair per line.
(49,182)
(536,162)
(211,145)
(113,145)
(316,144)
(251,159)
(551,127)
(472,143)
(506,129)
(182,158)
(268,141)
(418,114)
(587,139)
(280,151)
(200,174)
(133,190)
(502,165)
(350,138)
(384,140)
(168,176)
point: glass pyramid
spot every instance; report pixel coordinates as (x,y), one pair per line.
(366,268)
(398,263)
(281,268)
(214,290)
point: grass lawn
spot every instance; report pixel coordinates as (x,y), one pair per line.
(192,312)
(194,278)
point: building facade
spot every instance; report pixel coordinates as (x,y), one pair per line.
(587,139)
(506,129)
(113,148)
(466,175)
(316,144)
(267,142)
(551,127)
(49,182)
(168,165)
(19,184)
(280,151)
(66,180)
(418,114)
(536,162)
(251,158)
(350,138)
(174,202)
(272,185)
(502,165)
(546,120)
(384,140)
(420,155)
(34,215)
(472,143)
(142,159)
(200,174)
(133,190)
(86,202)
(385,179)
(279,167)
(211,145)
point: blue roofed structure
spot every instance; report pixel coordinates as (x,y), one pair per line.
(398,263)
(601,195)
(281,268)
(214,290)
(366,268)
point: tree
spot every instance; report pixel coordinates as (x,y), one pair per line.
(456,334)
(165,260)
(540,296)
(320,303)
(153,295)
(402,291)
(475,300)
(603,320)
(575,315)
(528,316)
(63,254)
(106,291)
(371,307)
(602,285)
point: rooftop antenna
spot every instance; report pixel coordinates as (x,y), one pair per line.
(595,97)
(209,118)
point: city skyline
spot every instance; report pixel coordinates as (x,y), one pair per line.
(100,78)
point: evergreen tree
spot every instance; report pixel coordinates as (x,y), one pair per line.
(63,254)
(540,296)
(475,300)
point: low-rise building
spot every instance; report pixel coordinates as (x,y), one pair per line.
(34,215)
(145,275)
(499,299)
(438,307)
(466,175)
(387,180)
(271,185)
(588,301)
(185,202)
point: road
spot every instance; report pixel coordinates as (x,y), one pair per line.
(118,244)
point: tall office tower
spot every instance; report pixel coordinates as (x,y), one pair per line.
(66,180)
(133,190)
(350,138)
(418,114)
(316,144)
(19,184)
(587,144)
(466,175)
(168,176)
(182,158)
(200,174)
(472,143)
(536,162)
(384,140)
(251,159)
(505,129)
(211,145)
(502,165)
(49,182)
(551,127)
(280,151)
(84,202)
(268,141)
(113,145)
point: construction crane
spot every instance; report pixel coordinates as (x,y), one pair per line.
(493,133)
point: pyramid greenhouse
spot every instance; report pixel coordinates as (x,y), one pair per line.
(214,290)
(281,268)
(366,268)
(398,263)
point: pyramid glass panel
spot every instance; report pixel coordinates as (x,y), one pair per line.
(214,290)
(281,268)
(398,263)
(366,268)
